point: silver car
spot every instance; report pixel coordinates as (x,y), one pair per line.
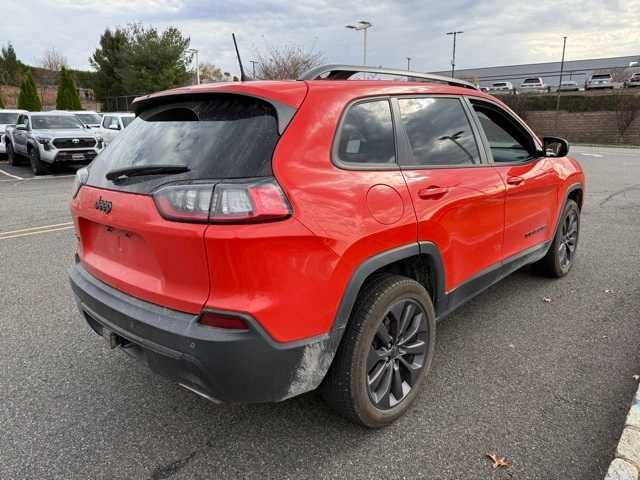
(600,80)
(633,81)
(497,88)
(7,118)
(569,86)
(533,85)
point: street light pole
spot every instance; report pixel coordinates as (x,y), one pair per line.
(364,26)
(253,67)
(195,52)
(564,46)
(453,57)
(409,63)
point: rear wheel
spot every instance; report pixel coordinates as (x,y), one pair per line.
(11,155)
(561,255)
(37,166)
(385,352)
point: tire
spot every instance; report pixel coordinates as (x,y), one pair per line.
(38,167)
(399,310)
(14,160)
(561,255)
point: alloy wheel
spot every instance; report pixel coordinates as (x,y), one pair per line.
(397,354)
(568,240)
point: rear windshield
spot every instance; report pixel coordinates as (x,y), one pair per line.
(601,76)
(43,122)
(501,84)
(89,118)
(8,117)
(531,80)
(217,137)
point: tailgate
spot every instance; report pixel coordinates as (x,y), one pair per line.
(124,242)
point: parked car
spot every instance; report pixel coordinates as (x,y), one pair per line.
(257,240)
(533,85)
(89,118)
(633,80)
(501,87)
(8,118)
(113,123)
(48,138)
(569,86)
(600,80)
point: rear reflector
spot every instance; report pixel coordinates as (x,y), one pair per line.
(244,202)
(211,319)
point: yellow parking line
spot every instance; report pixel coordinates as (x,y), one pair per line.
(36,228)
(26,234)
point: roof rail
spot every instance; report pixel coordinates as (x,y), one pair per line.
(344,72)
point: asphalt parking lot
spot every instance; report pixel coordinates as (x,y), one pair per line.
(546,384)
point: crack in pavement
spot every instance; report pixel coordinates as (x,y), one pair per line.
(620,192)
(168,470)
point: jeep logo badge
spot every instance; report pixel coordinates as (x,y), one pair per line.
(76,140)
(104,205)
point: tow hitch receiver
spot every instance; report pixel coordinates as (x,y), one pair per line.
(112,340)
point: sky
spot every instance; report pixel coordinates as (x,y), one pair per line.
(496,32)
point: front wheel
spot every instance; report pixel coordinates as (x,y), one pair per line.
(385,353)
(562,252)
(37,166)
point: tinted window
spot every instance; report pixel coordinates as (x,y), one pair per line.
(43,122)
(507,140)
(439,132)
(224,136)
(366,135)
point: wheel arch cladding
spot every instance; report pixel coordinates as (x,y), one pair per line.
(419,261)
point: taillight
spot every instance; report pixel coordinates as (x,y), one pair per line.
(218,320)
(240,202)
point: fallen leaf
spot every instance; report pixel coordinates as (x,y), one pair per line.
(498,462)
(547,299)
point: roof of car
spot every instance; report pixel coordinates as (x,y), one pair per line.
(122,114)
(51,112)
(12,110)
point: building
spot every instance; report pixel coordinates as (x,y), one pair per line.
(578,70)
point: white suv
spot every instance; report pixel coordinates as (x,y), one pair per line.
(113,123)
(533,85)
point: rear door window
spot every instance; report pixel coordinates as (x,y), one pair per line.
(216,137)
(439,132)
(366,135)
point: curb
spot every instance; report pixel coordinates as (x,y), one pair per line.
(626,465)
(602,145)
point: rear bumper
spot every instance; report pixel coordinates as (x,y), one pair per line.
(224,365)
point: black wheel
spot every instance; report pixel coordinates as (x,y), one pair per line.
(562,252)
(385,353)
(37,166)
(11,155)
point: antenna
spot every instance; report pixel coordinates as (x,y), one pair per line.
(243,77)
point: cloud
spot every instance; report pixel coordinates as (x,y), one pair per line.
(497,32)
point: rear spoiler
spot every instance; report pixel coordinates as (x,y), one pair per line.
(284,112)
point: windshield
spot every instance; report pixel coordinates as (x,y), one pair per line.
(89,118)
(126,121)
(500,84)
(216,137)
(605,76)
(7,117)
(54,122)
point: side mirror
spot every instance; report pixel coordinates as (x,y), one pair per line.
(555,147)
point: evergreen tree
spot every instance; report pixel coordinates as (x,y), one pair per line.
(67,98)
(28,98)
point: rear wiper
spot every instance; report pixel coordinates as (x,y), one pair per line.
(120,173)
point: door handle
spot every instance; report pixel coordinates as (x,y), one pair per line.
(432,192)
(515,180)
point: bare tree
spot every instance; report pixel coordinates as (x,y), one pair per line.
(286,62)
(53,60)
(210,73)
(627,109)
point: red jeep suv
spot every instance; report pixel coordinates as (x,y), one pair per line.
(257,240)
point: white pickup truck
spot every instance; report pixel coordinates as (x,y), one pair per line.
(48,138)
